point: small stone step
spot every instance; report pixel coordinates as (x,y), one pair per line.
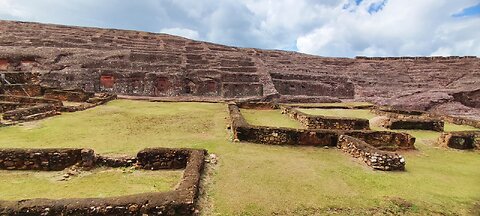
(39,116)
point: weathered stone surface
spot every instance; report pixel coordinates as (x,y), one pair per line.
(39,159)
(29,90)
(460,140)
(326,122)
(413,123)
(31,113)
(145,64)
(78,95)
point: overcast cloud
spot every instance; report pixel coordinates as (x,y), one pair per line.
(328,27)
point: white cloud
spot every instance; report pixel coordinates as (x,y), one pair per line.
(424,27)
(10,10)
(183,32)
(327,27)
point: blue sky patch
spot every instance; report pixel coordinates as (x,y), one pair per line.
(471,11)
(375,7)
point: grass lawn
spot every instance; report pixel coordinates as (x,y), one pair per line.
(347,104)
(253,179)
(348,113)
(273,118)
(102,182)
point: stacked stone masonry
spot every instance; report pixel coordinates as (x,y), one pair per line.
(30,113)
(351,141)
(180,201)
(68,95)
(373,157)
(313,137)
(326,122)
(401,114)
(463,140)
(413,123)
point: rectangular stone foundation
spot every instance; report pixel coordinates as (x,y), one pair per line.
(180,201)
(313,137)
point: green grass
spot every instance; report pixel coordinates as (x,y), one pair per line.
(122,128)
(102,182)
(273,118)
(348,113)
(253,179)
(351,104)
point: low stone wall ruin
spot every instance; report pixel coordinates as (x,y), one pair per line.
(414,124)
(30,100)
(460,140)
(326,122)
(384,140)
(380,160)
(28,90)
(180,201)
(243,131)
(39,159)
(396,113)
(68,95)
(31,113)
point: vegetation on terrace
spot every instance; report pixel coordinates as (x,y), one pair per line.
(253,179)
(98,183)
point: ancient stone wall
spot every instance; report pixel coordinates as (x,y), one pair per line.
(7,106)
(243,131)
(155,159)
(30,100)
(286,136)
(373,157)
(239,90)
(313,85)
(384,140)
(414,124)
(29,113)
(401,114)
(39,159)
(29,90)
(257,105)
(460,140)
(68,95)
(180,201)
(326,122)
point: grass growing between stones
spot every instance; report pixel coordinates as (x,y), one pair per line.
(254,179)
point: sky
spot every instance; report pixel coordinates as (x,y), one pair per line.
(338,28)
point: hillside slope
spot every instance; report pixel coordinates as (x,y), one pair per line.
(159,65)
